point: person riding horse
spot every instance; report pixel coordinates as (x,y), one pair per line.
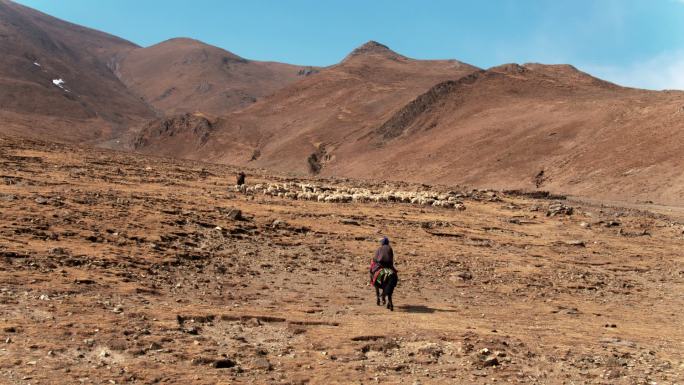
(240,178)
(384,257)
(383,274)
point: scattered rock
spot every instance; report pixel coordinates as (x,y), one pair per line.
(465,275)
(278,224)
(57,251)
(235,214)
(558,208)
(254,322)
(41,200)
(202,361)
(224,363)
(431,350)
(618,342)
(640,233)
(262,363)
(154,346)
(490,361)
(486,358)
(567,310)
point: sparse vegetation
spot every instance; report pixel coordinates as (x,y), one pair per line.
(314,163)
(316,160)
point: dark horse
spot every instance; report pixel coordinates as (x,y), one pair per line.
(387,283)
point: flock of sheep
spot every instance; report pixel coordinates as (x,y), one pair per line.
(328,194)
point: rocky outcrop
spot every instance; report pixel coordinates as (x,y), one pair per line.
(399,122)
(194,126)
(375,49)
(558,78)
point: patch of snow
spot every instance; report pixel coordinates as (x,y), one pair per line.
(35,63)
(60,83)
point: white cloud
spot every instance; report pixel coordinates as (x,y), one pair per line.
(665,71)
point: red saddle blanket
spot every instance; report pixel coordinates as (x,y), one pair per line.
(381,275)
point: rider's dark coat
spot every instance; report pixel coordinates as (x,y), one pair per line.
(385,257)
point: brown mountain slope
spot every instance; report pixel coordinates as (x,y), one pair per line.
(55,81)
(185,75)
(339,104)
(533,126)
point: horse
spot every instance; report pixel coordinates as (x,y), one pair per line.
(387,281)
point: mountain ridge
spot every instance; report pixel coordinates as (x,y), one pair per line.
(186,75)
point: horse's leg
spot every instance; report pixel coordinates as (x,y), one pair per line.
(389,288)
(377,291)
(377,295)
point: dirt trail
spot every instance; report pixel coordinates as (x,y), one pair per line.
(119,268)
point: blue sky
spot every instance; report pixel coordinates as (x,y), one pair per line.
(632,42)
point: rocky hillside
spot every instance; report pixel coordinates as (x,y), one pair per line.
(535,126)
(55,81)
(512,126)
(332,108)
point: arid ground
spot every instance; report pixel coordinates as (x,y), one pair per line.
(118,268)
